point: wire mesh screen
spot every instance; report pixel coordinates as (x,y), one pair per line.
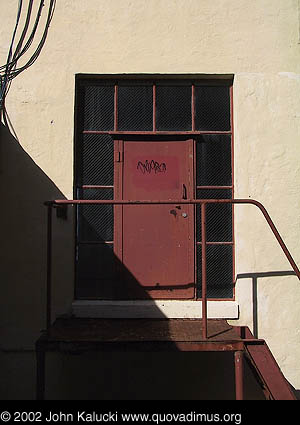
(98,107)
(218,216)
(96,271)
(214,160)
(95,161)
(212,108)
(219,271)
(135,107)
(95,222)
(174,107)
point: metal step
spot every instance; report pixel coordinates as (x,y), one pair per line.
(268,372)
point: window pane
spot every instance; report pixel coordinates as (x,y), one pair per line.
(219,271)
(98,107)
(135,107)
(95,222)
(212,108)
(173,107)
(213,160)
(96,160)
(218,216)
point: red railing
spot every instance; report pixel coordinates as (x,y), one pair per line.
(202,202)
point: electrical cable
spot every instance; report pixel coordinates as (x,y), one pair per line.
(9,70)
(37,52)
(26,25)
(4,78)
(31,37)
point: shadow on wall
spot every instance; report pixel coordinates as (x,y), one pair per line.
(255,277)
(24,187)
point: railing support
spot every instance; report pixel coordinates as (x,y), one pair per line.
(49,266)
(202,202)
(203,264)
(238,367)
(278,237)
(40,372)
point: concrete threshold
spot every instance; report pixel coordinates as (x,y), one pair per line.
(171,309)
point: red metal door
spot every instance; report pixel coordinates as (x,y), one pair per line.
(157,243)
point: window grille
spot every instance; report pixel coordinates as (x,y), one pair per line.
(199,109)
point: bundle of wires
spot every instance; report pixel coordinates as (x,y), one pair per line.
(10,70)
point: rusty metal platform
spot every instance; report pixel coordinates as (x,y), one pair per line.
(74,335)
(139,335)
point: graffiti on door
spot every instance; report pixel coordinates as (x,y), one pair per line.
(151,167)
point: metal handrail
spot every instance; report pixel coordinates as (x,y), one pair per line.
(202,202)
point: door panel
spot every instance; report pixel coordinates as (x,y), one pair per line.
(157,250)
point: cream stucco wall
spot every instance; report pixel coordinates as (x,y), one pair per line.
(258,42)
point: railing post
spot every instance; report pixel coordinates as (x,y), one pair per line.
(238,366)
(203,264)
(49,265)
(40,371)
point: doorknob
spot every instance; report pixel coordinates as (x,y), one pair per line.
(184,192)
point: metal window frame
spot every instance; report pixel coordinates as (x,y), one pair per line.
(193,80)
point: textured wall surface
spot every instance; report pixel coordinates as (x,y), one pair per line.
(257,42)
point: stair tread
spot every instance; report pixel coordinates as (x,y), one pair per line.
(126,330)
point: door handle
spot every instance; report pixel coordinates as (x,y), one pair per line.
(184,192)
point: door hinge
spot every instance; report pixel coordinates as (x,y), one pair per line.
(119,156)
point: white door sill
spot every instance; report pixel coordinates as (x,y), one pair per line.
(170,309)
